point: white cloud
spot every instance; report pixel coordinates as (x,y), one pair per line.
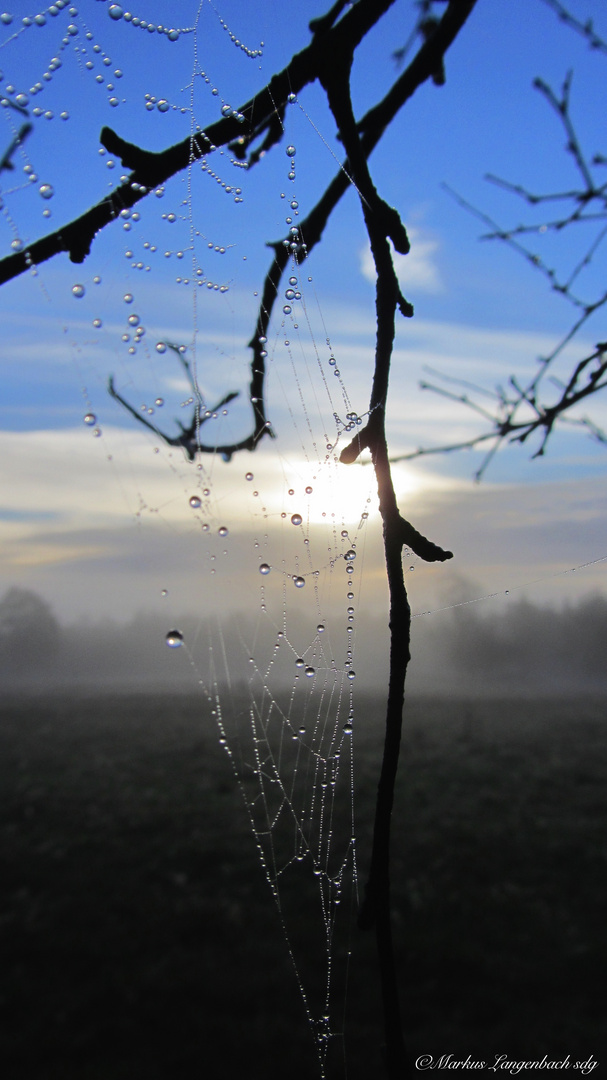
(418,269)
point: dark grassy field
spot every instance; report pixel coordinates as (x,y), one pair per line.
(139,939)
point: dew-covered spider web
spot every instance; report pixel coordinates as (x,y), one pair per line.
(216,403)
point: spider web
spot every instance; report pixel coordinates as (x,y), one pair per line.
(164,306)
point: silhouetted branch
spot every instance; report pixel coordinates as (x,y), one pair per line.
(311,228)
(383,224)
(505,426)
(585,29)
(6,162)
(587,204)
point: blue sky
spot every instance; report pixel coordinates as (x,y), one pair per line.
(100,526)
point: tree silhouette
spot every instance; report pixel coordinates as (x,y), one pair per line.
(29,632)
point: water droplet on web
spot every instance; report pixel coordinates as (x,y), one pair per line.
(90,419)
(78,290)
(296,519)
(97,323)
(128,298)
(291,151)
(350,555)
(299,582)
(133,320)
(223,530)
(310,672)
(195,502)
(174,639)
(299,662)
(351,674)
(161,347)
(159,401)
(115,11)
(163,105)
(249,476)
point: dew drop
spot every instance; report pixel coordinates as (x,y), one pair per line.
(310,672)
(174,639)
(223,530)
(159,402)
(320,628)
(78,291)
(22,100)
(90,419)
(351,674)
(299,582)
(163,105)
(195,502)
(291,151)
(264,569)
(309,490)
(133,320)
(296,519)
(350,555)
(161,347)
(97,323)
(299,662)
(128,298)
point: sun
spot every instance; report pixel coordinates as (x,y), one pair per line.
(329,492)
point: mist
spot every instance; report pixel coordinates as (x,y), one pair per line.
(470,651)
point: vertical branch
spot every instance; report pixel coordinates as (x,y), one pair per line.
(376,907)
(382,223)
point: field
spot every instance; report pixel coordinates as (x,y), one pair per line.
(139,939)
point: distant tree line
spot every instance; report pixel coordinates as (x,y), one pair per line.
(520,647)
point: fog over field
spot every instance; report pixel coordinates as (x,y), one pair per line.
(469,649)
